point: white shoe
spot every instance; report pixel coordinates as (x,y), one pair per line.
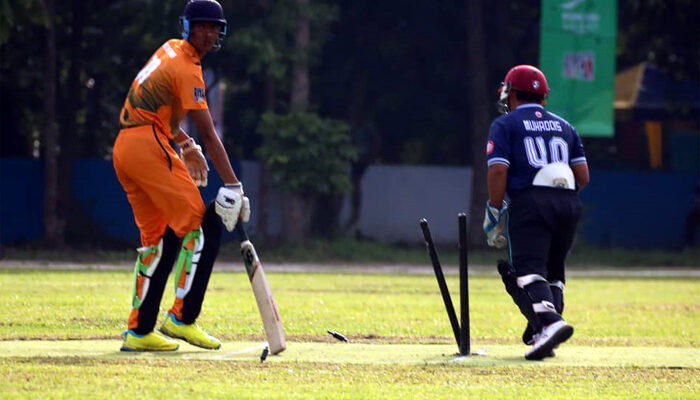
(551,336)
(534,338)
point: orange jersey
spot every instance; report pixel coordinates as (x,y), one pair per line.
(165,89)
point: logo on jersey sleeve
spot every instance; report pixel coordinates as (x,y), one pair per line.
(198,95)
(538,114)
(489,147)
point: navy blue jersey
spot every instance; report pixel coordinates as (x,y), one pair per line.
(528,138)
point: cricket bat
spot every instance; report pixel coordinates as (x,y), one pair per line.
(263,295)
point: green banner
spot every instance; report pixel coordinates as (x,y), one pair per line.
(577,55)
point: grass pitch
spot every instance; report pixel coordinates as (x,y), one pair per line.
(635,338)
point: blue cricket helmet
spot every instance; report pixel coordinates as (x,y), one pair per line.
(203,11)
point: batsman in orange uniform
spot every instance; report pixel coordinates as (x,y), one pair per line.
(161,184)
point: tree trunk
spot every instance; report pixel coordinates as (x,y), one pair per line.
(367,153)
(53,225)
(479,116)
(270,99)
(70,135)
(270,92)
(298,209)
(299,97)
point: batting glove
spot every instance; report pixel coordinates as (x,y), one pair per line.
(195,162)
(231,204)
(493,228)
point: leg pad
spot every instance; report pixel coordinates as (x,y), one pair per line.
(151,271)
(520,298)
(192,276)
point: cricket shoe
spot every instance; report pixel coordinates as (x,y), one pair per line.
(550,337)
(534,337)
(529,335)
(152,341)
(190,333)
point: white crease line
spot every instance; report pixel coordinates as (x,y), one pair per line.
(481,353)
(248,350)
(226,355)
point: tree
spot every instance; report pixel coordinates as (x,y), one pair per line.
(53,224)
(662,32)
(283,42)
(297,207)
(22,31)
(402,74)
(44,45)
(300,91)
(309,157)
(479,115)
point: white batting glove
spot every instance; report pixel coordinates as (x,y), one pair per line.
(493,226)
(195,162)
(231,204)
(245,204)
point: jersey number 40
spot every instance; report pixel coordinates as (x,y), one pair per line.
(538,152)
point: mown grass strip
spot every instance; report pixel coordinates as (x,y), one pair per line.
(128,378)
(40,304)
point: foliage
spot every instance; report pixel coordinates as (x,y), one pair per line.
(396,66)
(100,47)
(262,36)
(21,71)
(645,34)
(306,153)
(257,59)
(19,14)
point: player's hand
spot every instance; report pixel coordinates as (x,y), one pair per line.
(245,204)
(195,162)
(493,226)
(232,204)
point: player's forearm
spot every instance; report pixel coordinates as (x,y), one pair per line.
(496,183)
(219,158)
(215,149)
(581,174)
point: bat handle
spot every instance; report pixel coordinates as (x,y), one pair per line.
(241,231)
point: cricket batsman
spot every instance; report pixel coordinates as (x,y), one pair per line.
(537,159)
(161,184)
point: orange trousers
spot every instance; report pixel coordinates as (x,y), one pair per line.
(157,184)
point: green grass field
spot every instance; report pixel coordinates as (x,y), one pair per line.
(636,337)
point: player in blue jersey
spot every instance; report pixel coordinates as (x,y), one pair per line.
(535,158)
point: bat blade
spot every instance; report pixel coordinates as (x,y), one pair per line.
(263,297)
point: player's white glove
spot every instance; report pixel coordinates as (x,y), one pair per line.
(194,161)
(232,204)
(493,227)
